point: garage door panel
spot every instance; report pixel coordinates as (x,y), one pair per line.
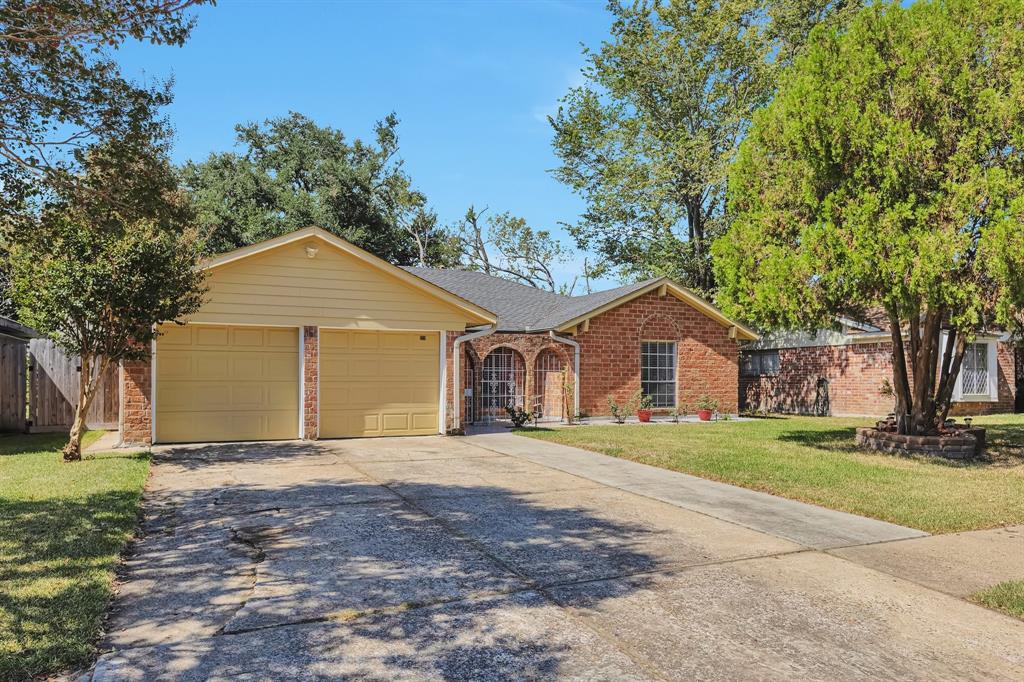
(378,383)
(210,336)
(228,383)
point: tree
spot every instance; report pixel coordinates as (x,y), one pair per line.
(888,173)
(646,141)
(292,173)
(60,91)
(509,248)
(97,277)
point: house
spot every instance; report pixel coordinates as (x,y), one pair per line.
(308,336)
(843,371)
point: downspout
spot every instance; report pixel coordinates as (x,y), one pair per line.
(575,369)
(456,379)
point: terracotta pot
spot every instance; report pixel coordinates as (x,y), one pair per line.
(704,415)
(644,415)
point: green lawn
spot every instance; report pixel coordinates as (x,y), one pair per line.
(1007,597)
(62,527)
(814,459)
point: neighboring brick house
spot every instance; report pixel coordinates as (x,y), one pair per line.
(843,372)
(653,336)
(308,336)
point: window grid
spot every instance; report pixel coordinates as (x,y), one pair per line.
(658,372)
(974,372)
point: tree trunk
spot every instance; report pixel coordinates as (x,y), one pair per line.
(87,384)
(900,380)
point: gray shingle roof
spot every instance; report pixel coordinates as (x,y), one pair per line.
(520,307)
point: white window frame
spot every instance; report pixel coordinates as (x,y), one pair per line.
(675,371)
(992,358)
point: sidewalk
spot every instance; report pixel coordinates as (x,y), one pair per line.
(958,564)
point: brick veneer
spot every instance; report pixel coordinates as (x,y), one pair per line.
(610,353)
(310,383)
(855,374)
(136,406)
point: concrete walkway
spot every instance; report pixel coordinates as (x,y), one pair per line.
(807,524)
(959,564)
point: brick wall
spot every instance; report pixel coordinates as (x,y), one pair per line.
(610,353)
(310,382)
(137,410)
(855,373)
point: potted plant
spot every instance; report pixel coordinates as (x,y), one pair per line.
(644,412)
(706,405)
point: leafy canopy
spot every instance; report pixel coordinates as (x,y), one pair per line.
(61,91)
(646,141)
(889,172)
(292,173)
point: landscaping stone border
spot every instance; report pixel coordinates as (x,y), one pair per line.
(965,445)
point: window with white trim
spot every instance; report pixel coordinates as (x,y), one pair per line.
(978,372)
(658,372)
(974,370)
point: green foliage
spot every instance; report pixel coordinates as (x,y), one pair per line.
(106,262)
(292,173)
(95,274)
(618,412)
(60,89)
(888,172)
(646,402)
(518,416)
(706,402)
(646,141)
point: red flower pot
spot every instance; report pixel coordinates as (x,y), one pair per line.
(704,415)
(644,415)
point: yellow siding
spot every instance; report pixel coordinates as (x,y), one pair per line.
(220,383)
(378,383)
(284,287)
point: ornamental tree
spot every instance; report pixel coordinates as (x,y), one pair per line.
(97,277)
(888,173)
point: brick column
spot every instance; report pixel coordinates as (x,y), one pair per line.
(311,382)
(137,409)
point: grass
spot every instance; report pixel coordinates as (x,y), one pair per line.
(62,529)
(1007,597)
(815,460)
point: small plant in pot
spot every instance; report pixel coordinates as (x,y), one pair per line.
(644,412)
(706,405)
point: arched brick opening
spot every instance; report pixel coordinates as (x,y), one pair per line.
(502,384)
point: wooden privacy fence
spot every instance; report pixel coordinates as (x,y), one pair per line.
(53,391)
(12,384)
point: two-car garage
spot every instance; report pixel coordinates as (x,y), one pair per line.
(305,336)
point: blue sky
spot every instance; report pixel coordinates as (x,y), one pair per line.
(471,82)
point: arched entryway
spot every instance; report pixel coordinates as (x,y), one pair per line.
(502,383)
(548,379)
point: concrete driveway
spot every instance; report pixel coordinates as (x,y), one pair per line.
(444,558)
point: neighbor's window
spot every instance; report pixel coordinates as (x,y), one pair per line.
(658,372)
(757,363)
(974,371)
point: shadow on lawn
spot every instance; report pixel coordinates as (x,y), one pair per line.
(66,547)
(352,578)
(831,440)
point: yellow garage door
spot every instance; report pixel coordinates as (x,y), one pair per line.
(378,383)
(217,383)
